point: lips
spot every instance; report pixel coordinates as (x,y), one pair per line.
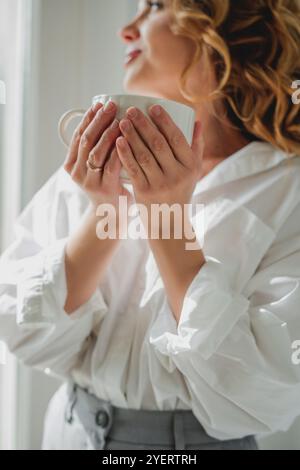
(132,55)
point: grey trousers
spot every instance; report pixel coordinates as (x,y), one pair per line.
(77,420)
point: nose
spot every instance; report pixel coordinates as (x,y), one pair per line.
(129,33)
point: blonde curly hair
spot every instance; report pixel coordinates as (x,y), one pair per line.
(255,48)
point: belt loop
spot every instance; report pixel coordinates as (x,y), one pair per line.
(178,429)
(71,403)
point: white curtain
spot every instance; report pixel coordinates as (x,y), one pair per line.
(12,39)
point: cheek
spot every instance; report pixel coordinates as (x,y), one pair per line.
(166,50)
(162,53)
(158,41)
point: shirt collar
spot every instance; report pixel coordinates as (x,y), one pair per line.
(253,158)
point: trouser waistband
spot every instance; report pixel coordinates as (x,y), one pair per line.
(101,419)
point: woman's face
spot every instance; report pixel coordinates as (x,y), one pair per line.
(157,69)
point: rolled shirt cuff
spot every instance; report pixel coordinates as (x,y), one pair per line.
(42,290)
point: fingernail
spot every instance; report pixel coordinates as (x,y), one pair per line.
(156,110)
(96,106)
(132,113)
(126,126)
(115,124)
(109,107)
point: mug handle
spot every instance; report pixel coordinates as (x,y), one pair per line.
(65,121)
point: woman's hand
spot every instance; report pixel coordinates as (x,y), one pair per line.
(95,136)
(161,164)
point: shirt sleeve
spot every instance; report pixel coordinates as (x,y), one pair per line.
(233,343)
(33,288)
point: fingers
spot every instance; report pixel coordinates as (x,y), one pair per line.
(143,155)
(154,139)
(100,152)
(90,137)
(134,170)
(74,146)
(174,136)
(112,168)
(109,178)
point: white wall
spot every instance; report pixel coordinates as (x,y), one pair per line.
(76,55)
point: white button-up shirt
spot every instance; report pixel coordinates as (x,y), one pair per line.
(230,358)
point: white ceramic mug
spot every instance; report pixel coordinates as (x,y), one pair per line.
(183,116)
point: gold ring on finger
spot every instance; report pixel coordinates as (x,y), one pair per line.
(92,167)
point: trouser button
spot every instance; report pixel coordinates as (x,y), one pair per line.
(102,418)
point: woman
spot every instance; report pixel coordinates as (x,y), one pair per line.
(161,347)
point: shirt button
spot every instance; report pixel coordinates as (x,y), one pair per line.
(102,418)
